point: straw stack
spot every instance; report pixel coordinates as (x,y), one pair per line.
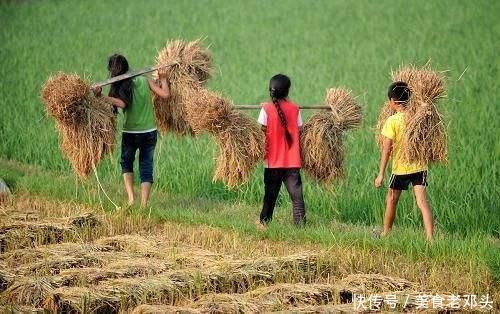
(86,124)
(322,136)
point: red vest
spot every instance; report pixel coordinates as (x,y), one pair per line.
(278,153)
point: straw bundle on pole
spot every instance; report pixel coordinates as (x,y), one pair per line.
(425,139)
(191,68)
(322,136)
(240,140)
(86,124)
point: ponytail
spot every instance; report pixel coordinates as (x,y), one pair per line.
(282,117)
(278,89)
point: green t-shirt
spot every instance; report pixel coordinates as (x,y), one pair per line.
(139,115)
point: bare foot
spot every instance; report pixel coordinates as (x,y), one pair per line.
(130,202)
(260,225)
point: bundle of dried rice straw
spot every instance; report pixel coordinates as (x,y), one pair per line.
(192,67)
(86,124)
(322,136)
(240,140)
(425,139)
(194,110)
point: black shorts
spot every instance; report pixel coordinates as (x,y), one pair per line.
(401,182)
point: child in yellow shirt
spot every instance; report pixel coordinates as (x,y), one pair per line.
(403,173)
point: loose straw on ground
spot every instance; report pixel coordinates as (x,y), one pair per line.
(322,136)
(424,139)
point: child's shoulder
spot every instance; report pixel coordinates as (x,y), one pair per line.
(396,118)
(292,104)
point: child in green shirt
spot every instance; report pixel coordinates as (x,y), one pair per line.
(139,129)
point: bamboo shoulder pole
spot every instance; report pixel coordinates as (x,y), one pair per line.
(149,69)
(130,74)
(256,107)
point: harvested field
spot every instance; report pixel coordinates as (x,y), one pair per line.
(111,263)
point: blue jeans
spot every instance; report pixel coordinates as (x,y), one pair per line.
(145,143)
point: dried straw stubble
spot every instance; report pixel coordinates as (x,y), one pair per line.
(34,291)
(226,303)
(86,124)
(5,279)
(322,136)
(65,97)
(293,295)
(160,309)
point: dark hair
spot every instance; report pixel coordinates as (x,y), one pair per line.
(400,92)
(118,65)
(279,86)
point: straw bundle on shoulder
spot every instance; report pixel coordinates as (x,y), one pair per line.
(424,139)
(208,111)
(322,136)
(86,124)
(191,68)
(65,97)
(241,147)
(362,283)
(240,140)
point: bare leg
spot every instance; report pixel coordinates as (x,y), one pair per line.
(128,180)
(390,209)
(425,209)
(145,191)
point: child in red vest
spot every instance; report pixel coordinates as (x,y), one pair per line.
(282,123)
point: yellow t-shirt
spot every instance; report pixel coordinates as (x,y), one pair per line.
(394,130)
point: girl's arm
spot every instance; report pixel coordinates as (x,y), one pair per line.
(162,90)
(384,159)
(117,102)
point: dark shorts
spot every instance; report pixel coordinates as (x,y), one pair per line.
(401,182)
(145,143)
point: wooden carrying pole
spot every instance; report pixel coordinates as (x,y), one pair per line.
(130,75)
(255,107)
(156,67)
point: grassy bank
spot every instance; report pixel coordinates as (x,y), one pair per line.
(319,44)
(444,262)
